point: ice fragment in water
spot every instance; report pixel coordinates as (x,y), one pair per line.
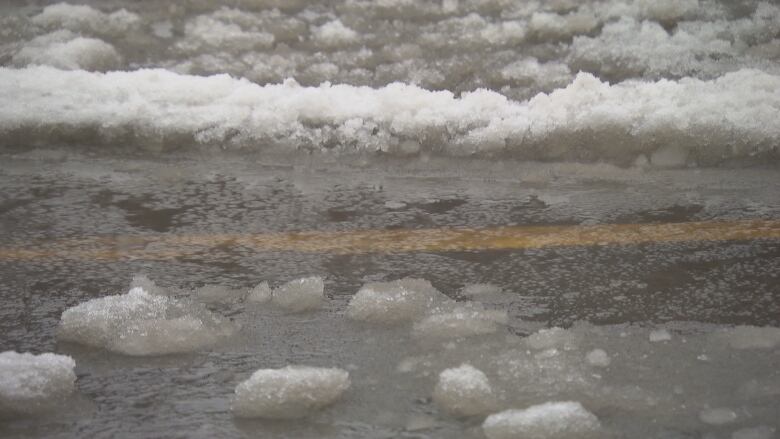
(300,295)
(394,302)
(657,335)
(460,321)
(30,383)
(551,420)
(760,432)
(464,391)
(139,323)
(288,393)
(260,293)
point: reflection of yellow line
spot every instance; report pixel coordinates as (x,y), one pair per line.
(396,241)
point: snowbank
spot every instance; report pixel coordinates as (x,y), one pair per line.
(139,323)
(288,393)
(551,420)
(30,383)
(703,121)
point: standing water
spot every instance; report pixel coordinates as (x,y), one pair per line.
(476,219)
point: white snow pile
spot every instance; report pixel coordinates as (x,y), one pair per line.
(464,391)
(392,302)
(140,323)
(30,383)
(749,337)
(66,50)
(290,392)
(703,121)
(459,321)
(551,420)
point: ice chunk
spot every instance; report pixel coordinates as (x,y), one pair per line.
(474,291)
(551,420)
(598,358)
(460,321)
(334,34)
(300,295)
(657,335)
(260,293)
(288,393)
(139,323)
(222,30)
(392,302)
(750,337)
(65,50)
(82,18)
(717,416)
(30,383)
(464,391)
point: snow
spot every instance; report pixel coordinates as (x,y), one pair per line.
(394,302)
(156,105)
(140,323)
(31,383)
(551,420)
(464,391)
(300,295)
(290,392)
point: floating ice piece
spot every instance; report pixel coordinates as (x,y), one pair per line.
(300,295)
(750,337)
(139,323)
(66,50)
(393,302)
(288,393)
(464,391)
(717,416)
(551,420)
(260,293)
(460,321)
(334,34)
(82,18)
(598,358)
(30,383)
(657,335)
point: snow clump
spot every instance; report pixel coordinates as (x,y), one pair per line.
(31,383)
(551,420)
(464,391)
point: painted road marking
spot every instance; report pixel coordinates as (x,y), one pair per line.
(163,246)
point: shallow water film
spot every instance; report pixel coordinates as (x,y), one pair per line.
(479,219)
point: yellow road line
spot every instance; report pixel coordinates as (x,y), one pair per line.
(395,241)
